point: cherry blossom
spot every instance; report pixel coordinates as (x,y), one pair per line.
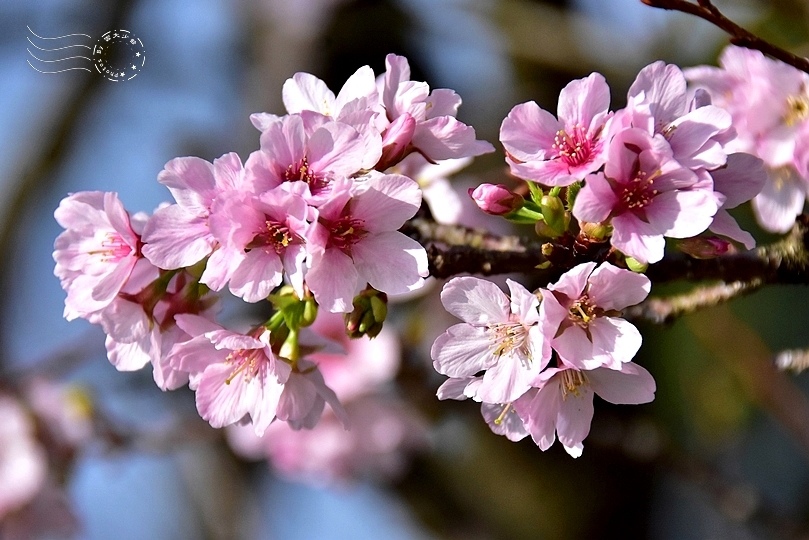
(356,241)
(578,314)
(436,134)
(178,235)
(500,335)
(559,152)
(645,195)
(315,154)
(260,239)
(239,375)
(769,103)
(562,403)
(97,253)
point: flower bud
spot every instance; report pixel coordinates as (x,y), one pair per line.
(705,247)
(496,200)
(595,231)
(554,214)
(368,316)
(635,265)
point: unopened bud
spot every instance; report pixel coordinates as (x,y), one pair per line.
(595,231)
(496,200)
(706,247)
(553,211)
(635,265)
(368,315)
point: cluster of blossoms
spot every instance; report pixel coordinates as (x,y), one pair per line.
(541,361)
(309,221)
(769,104)
(663,166)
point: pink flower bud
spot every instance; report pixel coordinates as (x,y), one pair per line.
(396,141)
(706,247)
(497,200)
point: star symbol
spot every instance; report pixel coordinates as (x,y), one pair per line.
(137,54)
(134,67)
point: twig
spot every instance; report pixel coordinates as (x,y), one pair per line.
(454,249)
(665,310)
(704,9)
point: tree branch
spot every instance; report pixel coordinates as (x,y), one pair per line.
(453,249)
(704,9)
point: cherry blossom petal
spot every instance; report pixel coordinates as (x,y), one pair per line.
(613,288)
(475,301)
(391,262)
(462,351)
(631,385)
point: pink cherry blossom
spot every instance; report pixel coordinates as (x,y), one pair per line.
(179,235)
(314,154)
(304,397)
(769,103)
(239,375)
(562,404)
(97,252)
(437,134)
(305,92)
(578,314)
(260,239)
(559,152)
(500,335)
(697,131)
(356,242)
(645,195)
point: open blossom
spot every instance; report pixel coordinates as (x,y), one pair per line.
(558,152)
(314,153)
(769,103)
(437,134)
(562,403)
(97,253)
(646,195)
(499,335)
(179,235)
(356,241)
(260,239)
(578,314)
(234,375)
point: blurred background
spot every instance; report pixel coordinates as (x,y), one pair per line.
(721,453)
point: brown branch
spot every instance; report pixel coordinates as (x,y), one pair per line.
(665,310)
(704,9)
(453,249)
